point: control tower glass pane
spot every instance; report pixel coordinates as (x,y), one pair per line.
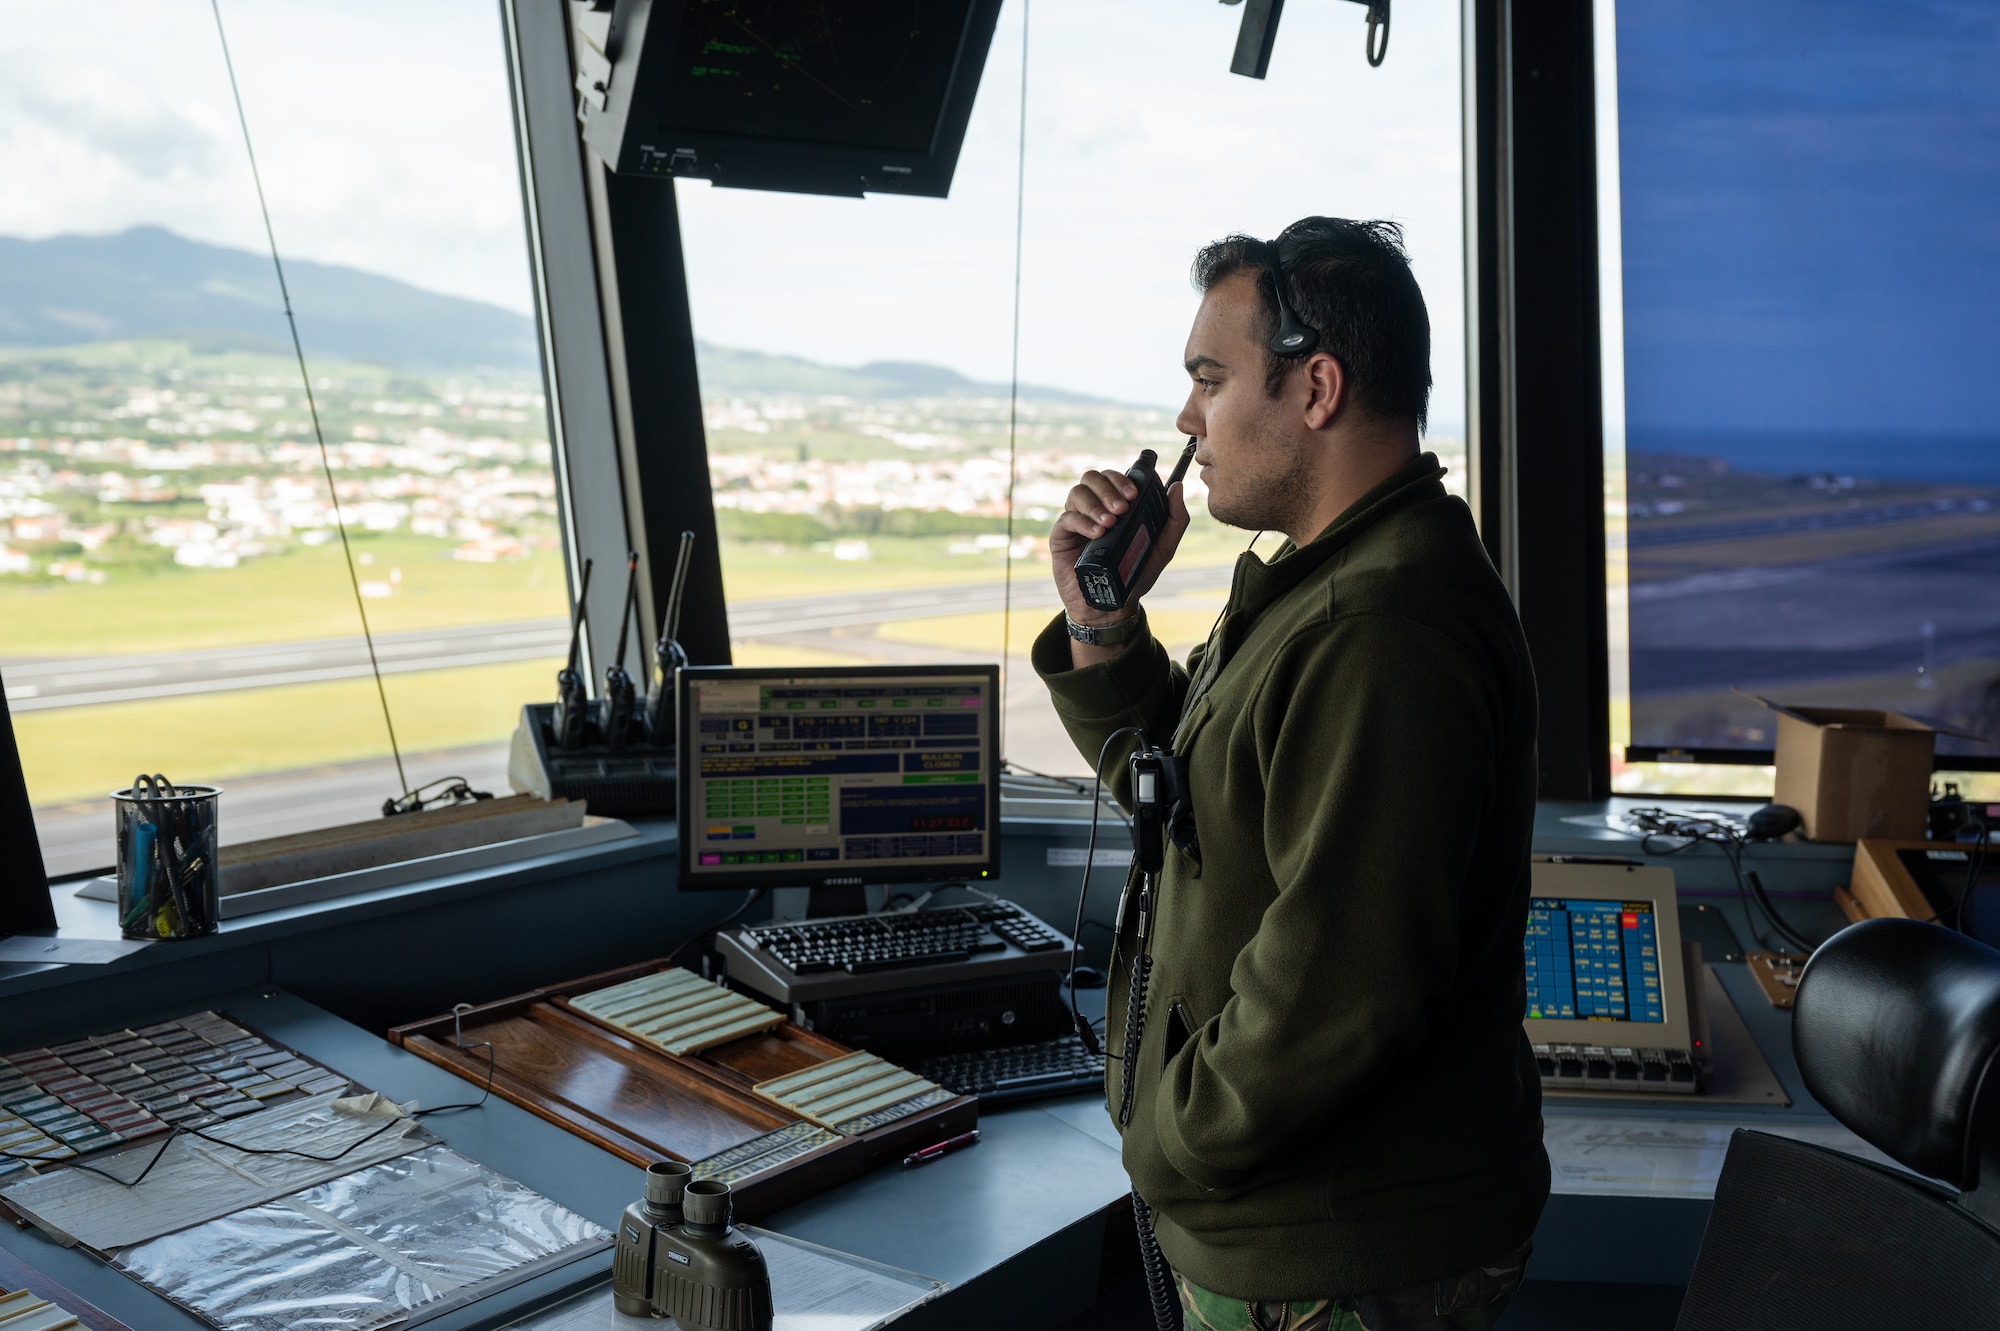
(1808,507)
(856,356)
(172,587)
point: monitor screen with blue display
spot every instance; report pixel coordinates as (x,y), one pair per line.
(811,777)
(1593,960)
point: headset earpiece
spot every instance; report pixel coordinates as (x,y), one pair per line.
(1295,338)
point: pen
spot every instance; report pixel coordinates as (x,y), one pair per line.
(945,1147)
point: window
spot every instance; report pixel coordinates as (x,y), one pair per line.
(856,354)
(173,595)
(1810,505)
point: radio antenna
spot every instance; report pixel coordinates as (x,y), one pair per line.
(312,407)
(679,588)
(576,621)
(631,610)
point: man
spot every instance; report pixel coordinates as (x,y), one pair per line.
(1337,1116)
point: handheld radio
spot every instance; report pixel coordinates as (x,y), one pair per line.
(668,657)
(621,706)
(1109,565)
(572,714)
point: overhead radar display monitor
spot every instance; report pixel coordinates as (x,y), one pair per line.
(814,96)
(832,778)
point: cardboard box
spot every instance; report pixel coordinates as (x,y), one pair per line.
(1854,773)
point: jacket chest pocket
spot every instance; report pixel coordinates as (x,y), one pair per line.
(1180,1029)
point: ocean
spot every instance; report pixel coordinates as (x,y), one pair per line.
(1964,459)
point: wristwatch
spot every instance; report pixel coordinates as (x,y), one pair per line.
(1106,635)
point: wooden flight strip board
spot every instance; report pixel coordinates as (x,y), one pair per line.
(653,1063)
(677,1011)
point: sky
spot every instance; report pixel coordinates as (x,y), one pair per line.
(1811,208)
(385,137)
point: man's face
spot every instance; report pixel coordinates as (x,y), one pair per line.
(1253,450)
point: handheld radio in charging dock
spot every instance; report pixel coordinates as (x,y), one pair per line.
(1109,565)
(572,713)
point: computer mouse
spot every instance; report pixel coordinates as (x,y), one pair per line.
(1771,822)
(1089,977)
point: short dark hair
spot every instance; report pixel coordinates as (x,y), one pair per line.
(1352,282)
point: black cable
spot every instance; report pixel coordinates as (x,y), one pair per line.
(749,900)
(1085,1031)
(485,1093)
(1159,1276)
(1684,831)
(312,407)
(1975,862)
(247,1150)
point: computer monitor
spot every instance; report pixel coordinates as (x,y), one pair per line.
(772,94)
(1603,952)
(836,777)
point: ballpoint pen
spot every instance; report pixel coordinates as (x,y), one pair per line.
(945,1147)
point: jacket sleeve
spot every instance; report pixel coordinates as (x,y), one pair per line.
(1141,686)
(1358,729)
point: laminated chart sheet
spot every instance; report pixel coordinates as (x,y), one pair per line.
(1657,1157)
(200,1178)
(812,1289)
(400,1241)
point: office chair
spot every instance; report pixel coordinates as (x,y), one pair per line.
(1895,1026)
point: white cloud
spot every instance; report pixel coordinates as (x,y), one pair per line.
(383,130)
(385,135)
(1141,146)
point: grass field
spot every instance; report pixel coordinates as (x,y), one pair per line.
(304,593)
(73,754)
(301,594)
(978,634)
(80,753)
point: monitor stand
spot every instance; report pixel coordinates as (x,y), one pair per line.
(822,902)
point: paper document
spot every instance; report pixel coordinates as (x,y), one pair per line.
(48,949)
(200,1178)
(812,1289)
(1657,1157)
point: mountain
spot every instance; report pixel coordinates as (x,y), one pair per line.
(727,370)
(149,282)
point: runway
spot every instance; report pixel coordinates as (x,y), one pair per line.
(40,684)
(76,837)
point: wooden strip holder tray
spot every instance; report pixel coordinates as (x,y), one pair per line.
(644,1105)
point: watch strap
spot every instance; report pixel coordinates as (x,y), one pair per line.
(1106,635)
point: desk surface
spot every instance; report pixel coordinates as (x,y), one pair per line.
(1022,1214)
(1037,1174)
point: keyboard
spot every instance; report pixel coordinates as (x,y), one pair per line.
(1018,1072)
(1589,1067)
(806,961)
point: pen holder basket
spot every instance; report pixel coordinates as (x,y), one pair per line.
(169,873)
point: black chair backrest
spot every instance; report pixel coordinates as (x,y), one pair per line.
(1802,1238)
(1895,1026)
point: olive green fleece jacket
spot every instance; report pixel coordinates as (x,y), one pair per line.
(1334,1094)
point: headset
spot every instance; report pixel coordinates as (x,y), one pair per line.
(1295,337)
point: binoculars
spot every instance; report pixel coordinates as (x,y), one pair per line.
(677,1255)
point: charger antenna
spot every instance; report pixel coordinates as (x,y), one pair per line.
(576,619)
(672,619)
(631,610)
